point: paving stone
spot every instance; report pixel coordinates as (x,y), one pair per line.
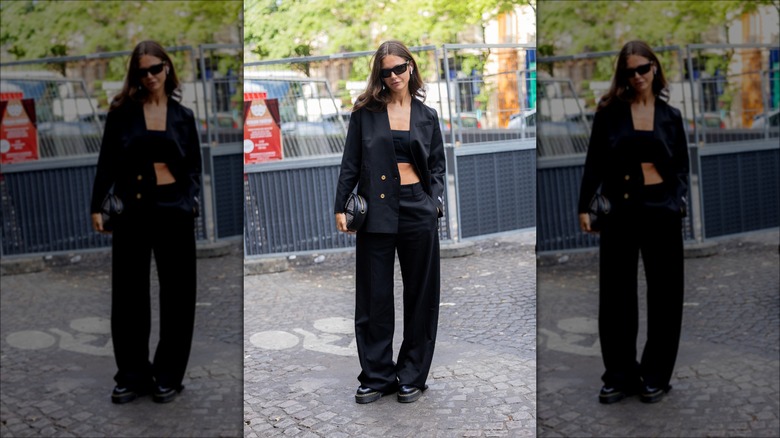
(484,367)
(726,380)
(64,389)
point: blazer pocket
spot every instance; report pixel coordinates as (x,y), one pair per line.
(425,132)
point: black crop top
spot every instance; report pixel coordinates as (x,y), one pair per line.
(403,150)
(158,148)
(645,146)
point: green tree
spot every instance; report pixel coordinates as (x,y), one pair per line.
(569,27)
(290,28)
(39,29)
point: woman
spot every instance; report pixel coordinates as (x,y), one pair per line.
(395,155)
(638,155)
(150,155)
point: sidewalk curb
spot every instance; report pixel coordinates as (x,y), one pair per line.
(697,250)
(21,266)
(214,249)
(459,249)
(15,265)
(265,266)
(692,250)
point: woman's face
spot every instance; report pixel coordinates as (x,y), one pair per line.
(397,83)
(636,65)
(153,73)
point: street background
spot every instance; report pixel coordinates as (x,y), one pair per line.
(726,380)
(301,363)
(57,358)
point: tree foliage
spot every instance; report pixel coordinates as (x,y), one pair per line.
(569,27)
(290,28)
(39,29)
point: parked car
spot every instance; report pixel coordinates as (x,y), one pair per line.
(222,120)
(333,125)
(707,121)
(328,124)
(760,120)
(86,125)
(522,120)
(467,120)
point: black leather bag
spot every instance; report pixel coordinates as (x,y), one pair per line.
(110,209)
(356,210)
(598,211)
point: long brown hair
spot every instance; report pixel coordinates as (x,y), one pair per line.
(377,96)
(621,89)
(133,90)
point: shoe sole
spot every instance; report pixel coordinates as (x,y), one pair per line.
(166,397)
(122,399)
(614,398)
(362,399)
(654,397)
(128,397)
(409,398)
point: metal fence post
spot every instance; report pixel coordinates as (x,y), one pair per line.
(447,81)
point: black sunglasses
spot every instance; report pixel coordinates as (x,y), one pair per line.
(154,70)
(398,70)
(642,69)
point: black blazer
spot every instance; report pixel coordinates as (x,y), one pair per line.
(369,162)
(120,162)
(620,178)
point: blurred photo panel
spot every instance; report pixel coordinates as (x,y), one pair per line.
(121,226)
(390,209)
(658,218)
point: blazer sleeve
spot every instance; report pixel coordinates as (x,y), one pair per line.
(350,162)
(193,162)
(107,158)
(437,165)
(594,161)
(681,162)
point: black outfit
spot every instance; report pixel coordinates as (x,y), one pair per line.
(403,219)
(157,219)
(645,219)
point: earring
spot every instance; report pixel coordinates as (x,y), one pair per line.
(411,70)
(167,71)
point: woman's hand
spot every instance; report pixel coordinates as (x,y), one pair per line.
(585,223)
(341,223)
(97,223)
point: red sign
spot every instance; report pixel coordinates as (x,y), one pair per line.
(18,136)
(255,96)
(262,131)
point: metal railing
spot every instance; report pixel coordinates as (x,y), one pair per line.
(45,203)
(285,213)
(722,90)
(486,98)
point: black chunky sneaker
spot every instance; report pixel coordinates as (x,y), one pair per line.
(166,394)
(653,394)
(409,394)
(124,394)
(612,394)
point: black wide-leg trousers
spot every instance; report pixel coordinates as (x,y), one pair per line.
(656,233)
(168,233)
(417,245)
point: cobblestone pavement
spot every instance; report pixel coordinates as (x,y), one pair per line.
(727,377)
(57,361)
(301,367)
